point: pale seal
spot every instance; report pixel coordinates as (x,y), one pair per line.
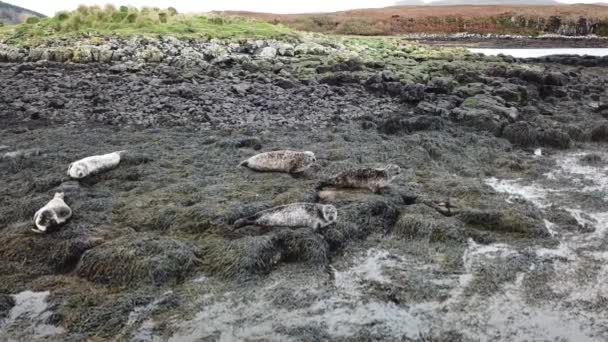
(53,214)
(94,164)
(295,215)
(367,178)
(281,161)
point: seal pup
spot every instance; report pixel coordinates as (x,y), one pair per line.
(53,214)
(94,164)
(366,178)
(281,161)
(294,215)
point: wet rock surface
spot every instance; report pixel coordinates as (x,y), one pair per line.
(460,127)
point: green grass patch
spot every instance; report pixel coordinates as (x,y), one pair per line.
(129,21)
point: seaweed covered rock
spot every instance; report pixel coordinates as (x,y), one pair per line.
(303,245)
(521,134)
(555,138)
(41,254)
(6,304)
(134,260)
(600,132)
(240,258)
(507,220)
(397,125)
(428,227)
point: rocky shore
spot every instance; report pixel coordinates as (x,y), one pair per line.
(150,255)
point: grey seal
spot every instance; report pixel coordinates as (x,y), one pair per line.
(53,214)
(294,215)
(281,161)
(94,164)
(366,178)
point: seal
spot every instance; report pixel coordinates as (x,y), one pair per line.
(281,161)
(94,164)
(294,215)
(53,214)
(366,178)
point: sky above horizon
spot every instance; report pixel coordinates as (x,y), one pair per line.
(50,7)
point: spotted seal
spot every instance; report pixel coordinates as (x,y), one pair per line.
(281,161)
(369,178)
(94,164)
(295,215)
(53,214)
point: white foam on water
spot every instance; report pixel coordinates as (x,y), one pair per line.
(367,268)
(570,168)
(27,319)
(510,318)
(477,255)
(563,251)
(533,193)
(550,225)
(342,314)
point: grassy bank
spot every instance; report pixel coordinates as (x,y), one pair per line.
(129,21)
(578,19)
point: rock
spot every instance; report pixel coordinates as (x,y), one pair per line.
(600,132)
(21,154)
(521,134)
(555,79)
(284,83)
(493,104)
(413,92)
(241,89)
(428,227)
(470,89)
(441,85)
(419,123)
(480,119)
(268,52)
(285,50)
(150,54)
(555,138)
(507,220)
(6,304)
(147,259)
(311,48)
(118,68)
(254,143)
(339,78)
(512,93)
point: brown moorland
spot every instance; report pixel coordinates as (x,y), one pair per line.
(579,19)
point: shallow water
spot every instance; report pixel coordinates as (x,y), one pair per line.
(28,318)
(531,53)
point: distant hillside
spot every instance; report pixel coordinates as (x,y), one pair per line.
(11,14)
(479,2)
(569,20)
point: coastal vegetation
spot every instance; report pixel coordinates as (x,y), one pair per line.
(129,21)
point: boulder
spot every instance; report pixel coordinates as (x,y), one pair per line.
(137,260)
(521,134)
(268,52)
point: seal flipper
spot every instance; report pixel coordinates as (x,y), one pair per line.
(246,221)
(244,163)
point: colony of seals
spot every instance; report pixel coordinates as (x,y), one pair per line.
(94,164)
(53,214)
(295,215)
(281,161)
(366,178)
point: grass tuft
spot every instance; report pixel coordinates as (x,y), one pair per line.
(129,21)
